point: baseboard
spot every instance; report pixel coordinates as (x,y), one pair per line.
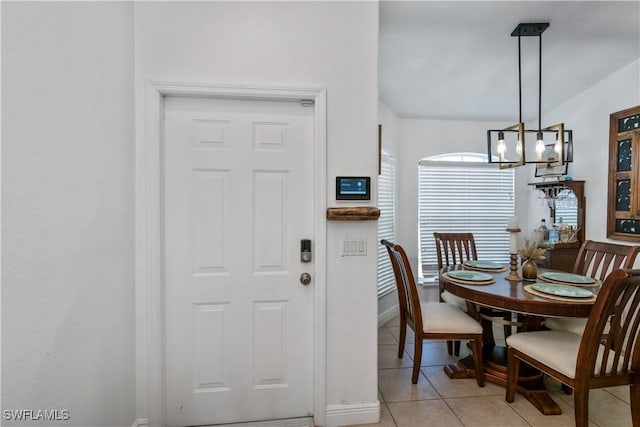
(142,422)
(388,314)
(357,413)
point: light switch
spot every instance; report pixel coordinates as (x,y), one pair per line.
(354,246)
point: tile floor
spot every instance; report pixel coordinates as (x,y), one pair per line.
(438,401)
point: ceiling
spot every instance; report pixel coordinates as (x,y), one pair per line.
(457,59)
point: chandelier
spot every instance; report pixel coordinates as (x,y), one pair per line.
(516,146)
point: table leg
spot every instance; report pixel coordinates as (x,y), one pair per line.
(530,383)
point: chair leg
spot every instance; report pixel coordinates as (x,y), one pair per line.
(513,371)
(507,331)
(477,361)
(417,359)
(453,348)
(634,394)
(403,336)
(581,405)
(507,317)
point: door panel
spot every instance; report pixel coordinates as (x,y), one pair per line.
(238,198)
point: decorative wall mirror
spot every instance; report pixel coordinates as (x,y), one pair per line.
(623,204)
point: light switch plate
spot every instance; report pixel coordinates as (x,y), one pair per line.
(354,246)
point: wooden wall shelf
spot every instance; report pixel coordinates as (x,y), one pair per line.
(353,213)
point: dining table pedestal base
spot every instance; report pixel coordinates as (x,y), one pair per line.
(530,383)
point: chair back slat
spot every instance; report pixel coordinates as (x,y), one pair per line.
(626,339)
(615,349)
(454,248)
(598,259)
(406,284)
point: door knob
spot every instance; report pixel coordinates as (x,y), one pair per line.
(305,278)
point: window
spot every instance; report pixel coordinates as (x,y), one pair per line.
(460,192)
(386,224)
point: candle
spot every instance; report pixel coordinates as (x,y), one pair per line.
(512,222)
(513,242)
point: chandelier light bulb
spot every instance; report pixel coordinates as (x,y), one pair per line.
(540,146)
(502,147)
(557,147)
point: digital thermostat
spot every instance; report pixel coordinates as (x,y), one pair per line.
(353,188)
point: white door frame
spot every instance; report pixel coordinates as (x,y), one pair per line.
(149,241)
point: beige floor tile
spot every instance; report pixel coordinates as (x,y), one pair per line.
(605,409)
(393,322)
(621,392)
(388,357)
(534,417)
(385,419)
(395,331)
(432,413)
(485,411)
(395,386)
(466,387)
(435,353)
(385,337)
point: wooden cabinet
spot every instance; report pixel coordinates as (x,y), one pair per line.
(623,205)
(561,256)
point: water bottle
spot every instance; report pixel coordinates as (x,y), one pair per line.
(554,235)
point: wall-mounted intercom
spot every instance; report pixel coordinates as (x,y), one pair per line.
(353,188)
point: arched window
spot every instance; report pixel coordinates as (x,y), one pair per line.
(461,192)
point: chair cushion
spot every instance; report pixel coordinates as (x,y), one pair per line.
(454,300)
(556,349)
(569,324)
(442,317)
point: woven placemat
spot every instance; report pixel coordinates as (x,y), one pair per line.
(486,270)
(468,282)
(558,282)
(532,291)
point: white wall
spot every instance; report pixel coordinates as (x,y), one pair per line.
(331,45)
(390,125)
(388,304)
(67,210)
(587,114)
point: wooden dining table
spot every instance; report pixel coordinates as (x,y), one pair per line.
(530,309)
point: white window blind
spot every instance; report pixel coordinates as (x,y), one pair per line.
(464,197)
(386,224)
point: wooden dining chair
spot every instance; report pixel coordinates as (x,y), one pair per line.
(456,248)
(596,260)
(430,320)
(601,357)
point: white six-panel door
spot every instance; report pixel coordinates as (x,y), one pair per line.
(238,198)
